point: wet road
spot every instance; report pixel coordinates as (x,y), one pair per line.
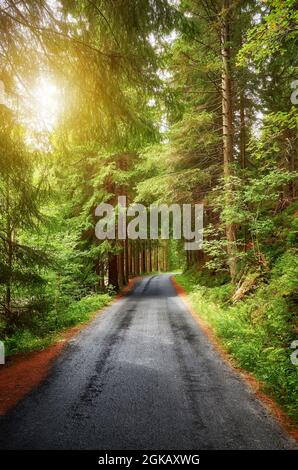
(142,376)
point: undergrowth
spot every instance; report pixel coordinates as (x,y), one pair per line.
(41,330)
(258,330)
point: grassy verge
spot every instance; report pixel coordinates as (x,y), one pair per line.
(43,330)
(257,332)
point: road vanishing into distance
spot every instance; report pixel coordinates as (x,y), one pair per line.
(142,376)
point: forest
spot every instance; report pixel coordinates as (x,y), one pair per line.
(164,102)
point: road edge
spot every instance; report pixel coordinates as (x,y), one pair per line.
(24,372)
(254,384)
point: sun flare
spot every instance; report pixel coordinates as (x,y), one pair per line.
(45,104)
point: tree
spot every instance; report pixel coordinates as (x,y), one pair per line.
(228,128)
(20,198)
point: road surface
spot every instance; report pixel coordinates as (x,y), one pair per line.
(142,376)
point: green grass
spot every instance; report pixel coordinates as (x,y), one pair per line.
(257,332)
(43,330)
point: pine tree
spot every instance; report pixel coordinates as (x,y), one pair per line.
(20,198)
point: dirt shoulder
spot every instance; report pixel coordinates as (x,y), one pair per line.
(23,372)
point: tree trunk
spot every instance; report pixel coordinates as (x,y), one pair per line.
(100,274)
(228,131)
(187,260)
(131,258)
(143,258)
(149,257)
(166,256)
(136,259)
(121,268)
(113,271)
(126,261)
(9,254)
(9,265)
(242,131)
(102,278)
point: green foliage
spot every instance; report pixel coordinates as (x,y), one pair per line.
(258,330)
(276,31)
(39,331)
(21,194)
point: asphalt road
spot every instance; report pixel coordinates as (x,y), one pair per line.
(142,376)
